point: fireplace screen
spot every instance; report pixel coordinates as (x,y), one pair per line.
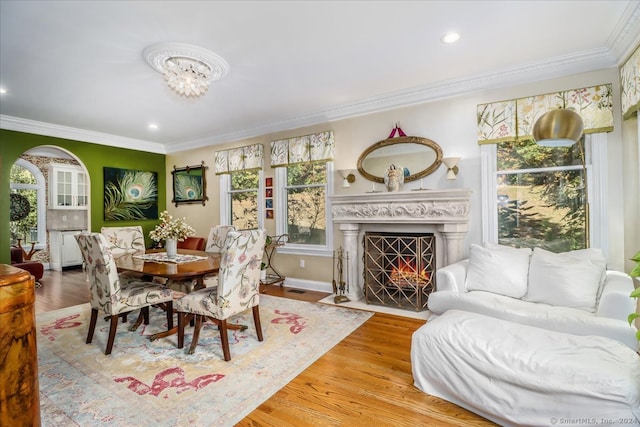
(398,269)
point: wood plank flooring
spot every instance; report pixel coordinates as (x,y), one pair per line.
(364,380)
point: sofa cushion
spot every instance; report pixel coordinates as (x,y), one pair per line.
(568,279)
(524,375)
(499,269)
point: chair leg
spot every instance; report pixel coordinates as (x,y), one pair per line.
(169,307)
(181,320)
(112,333)
(256,320)
(92,324)
(224,337)
(196,334)
(145,314)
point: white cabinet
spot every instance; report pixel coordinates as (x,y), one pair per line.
(64,250)
(68,187)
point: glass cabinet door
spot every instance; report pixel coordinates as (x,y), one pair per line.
(64,188)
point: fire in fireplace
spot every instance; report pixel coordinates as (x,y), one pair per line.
(398,269)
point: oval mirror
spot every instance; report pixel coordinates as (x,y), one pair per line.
(418,156)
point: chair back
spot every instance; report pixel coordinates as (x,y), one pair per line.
(217,237)
(193,243)
(104,281)
(239,276)
(124,240)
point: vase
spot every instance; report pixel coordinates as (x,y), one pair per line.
(171,246)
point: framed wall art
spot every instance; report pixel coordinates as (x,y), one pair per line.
(130,194)
(189,184)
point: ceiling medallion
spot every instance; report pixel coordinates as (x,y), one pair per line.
(187,69)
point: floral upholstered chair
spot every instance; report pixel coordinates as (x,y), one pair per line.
(118,295)
(237,291)
(124,240)
(215,243)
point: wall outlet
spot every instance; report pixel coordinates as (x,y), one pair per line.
(301,263)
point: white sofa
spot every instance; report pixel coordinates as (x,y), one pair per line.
(571,292)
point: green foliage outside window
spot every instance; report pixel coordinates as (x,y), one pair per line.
(306,203)
(22,228)
(541,198)
(244,199)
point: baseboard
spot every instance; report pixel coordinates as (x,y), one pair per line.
(308,285)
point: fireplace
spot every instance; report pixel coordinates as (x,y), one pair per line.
(399,269)
(441,216)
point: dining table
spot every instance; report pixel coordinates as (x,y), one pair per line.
(188,265)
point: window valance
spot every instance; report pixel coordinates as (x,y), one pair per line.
(630,85)
(238,159)
(307,148)
(514,119)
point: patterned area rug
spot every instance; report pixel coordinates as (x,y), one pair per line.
(154,383)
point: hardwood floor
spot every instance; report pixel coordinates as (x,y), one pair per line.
(364,380)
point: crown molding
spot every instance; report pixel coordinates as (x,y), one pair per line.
(575,63)
(76,134)
(626,35)
(561,66)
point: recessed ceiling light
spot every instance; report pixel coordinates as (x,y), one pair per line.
(450,38)
(3,90)
(153,126)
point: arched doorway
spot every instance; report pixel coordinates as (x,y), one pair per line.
(34,172)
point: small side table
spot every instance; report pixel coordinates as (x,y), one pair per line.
(273,277)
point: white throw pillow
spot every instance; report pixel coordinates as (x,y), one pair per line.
(499,269)
(568,279)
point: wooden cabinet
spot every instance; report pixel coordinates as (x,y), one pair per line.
(68,187)
(19,389)
(64,250)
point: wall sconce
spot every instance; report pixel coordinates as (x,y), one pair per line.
(347,176)
(452,166)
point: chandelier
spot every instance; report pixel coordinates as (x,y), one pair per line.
(187,69)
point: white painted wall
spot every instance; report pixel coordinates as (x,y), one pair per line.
(449,122)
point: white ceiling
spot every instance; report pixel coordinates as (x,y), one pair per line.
(75,69)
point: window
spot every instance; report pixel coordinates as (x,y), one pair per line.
(302,191)
(537,196)
(243,204)
(26,179)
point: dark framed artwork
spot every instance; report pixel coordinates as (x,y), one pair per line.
(130,194)
(269,213)
(268,182)
(269,203)
(189,184)
(268,192)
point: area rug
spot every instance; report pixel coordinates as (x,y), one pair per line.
(154,383)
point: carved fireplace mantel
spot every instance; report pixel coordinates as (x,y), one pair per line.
(445,213)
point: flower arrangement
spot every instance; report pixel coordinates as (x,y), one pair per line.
(171,228)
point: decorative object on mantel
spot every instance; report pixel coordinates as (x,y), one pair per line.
(418,156)
(394,178)
(190,184)
(452,167)
(171,230)
(340,286)
(187,69)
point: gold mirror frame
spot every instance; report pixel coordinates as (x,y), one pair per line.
(402,140)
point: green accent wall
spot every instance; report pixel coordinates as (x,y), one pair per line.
(94,157)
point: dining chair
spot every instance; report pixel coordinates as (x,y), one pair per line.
(193,243)
(124,240)
(215,243)
(115,294)
(237,291)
